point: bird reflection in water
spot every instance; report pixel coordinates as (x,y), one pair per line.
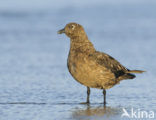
(96,113)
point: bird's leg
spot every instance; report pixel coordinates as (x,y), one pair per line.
(104,95)
(88,94)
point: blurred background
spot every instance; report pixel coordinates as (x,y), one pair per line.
(34,79)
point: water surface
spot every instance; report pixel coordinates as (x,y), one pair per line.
(34,81)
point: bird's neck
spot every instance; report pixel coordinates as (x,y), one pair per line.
(81,44)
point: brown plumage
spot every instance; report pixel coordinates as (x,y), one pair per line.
(90,67)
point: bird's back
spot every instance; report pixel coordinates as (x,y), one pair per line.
(112,65)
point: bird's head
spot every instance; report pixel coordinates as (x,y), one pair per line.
(72,30)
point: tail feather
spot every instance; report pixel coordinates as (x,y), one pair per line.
(129,75)
(126,76)
(136,71)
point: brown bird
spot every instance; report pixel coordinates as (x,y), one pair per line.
(92,68)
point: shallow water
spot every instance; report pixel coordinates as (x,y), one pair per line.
(34,81)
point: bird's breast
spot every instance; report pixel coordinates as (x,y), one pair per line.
(75,62)
(82,69)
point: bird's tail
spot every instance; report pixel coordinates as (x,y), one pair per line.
(136,71)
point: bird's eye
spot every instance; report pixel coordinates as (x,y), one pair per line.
(72,27)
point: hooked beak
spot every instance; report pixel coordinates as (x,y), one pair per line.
(61,31)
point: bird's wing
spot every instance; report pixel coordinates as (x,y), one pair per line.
(110,63)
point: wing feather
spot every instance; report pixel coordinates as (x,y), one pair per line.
(110,63)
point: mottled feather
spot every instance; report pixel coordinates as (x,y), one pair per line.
(110,63)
